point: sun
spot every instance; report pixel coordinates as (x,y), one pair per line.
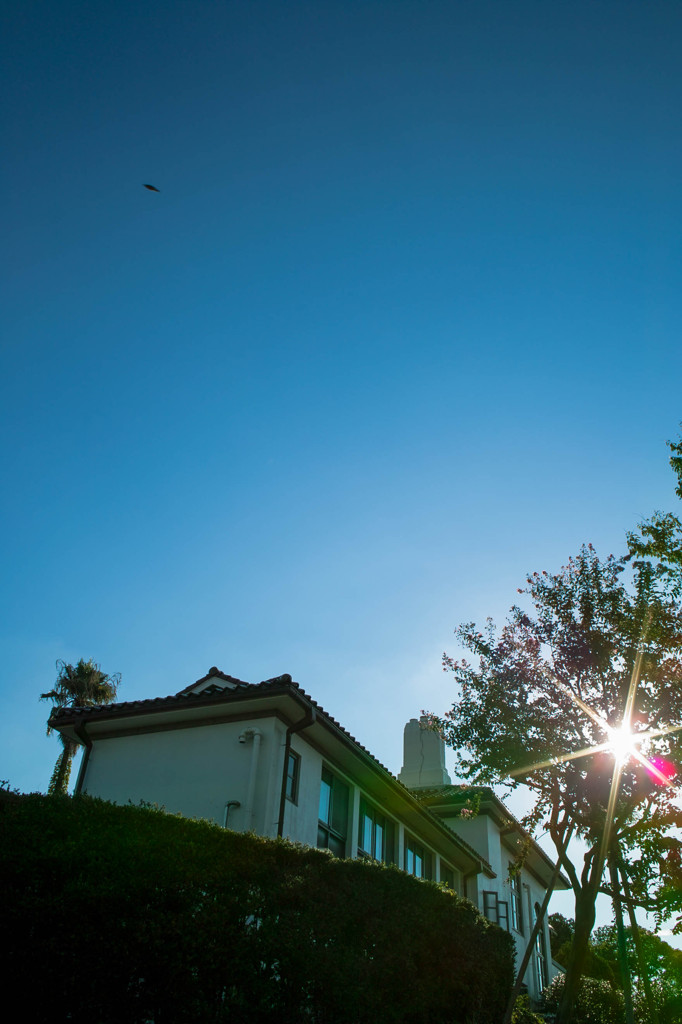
(623,742)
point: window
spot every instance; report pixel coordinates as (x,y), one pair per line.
(540,955)
(495,909)
(375,837)
(417,859)
(332,825)
(447,876)
(293,771)
(515,898)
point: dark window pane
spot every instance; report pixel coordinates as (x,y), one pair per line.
(378,841)
(540,955)
(325,801)
(389,846)
(376,834)
(366,837)
(337,845)
(490,905)
(339,818)
(515,899)
(333,814)
(417,859)
(292,776)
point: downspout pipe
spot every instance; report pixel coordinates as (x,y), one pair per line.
(256,736)
(465,883)
(87,743)
(228,807)
(308,719)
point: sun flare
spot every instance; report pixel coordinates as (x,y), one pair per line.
(623,742)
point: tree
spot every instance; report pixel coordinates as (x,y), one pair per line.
(544,706)
(82,685)
(660,540)
(597,1002)
(663,965)
(560,937)
(660,537)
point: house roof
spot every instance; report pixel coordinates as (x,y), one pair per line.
(455,796)
(214,673)
(61,717)
(198,698)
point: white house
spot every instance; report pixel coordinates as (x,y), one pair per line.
(514,896)
(266,757)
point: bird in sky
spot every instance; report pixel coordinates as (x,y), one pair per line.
(152,188)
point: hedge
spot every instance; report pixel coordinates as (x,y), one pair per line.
(127,914)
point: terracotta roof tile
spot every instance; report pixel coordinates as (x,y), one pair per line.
(214,672)
(186,696)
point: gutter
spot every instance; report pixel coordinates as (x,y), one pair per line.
(308,719)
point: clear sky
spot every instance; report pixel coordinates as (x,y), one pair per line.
(401,325)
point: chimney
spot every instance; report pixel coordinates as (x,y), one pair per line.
(423,757)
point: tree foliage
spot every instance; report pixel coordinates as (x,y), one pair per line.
(129,914)
(520,708)
(597,1002)
(561,931)
(660,537)
(595,965)
(663,965)
(80,685)
(522,1013)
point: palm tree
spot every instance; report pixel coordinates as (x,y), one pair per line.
(79,686)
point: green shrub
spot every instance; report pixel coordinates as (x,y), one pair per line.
(522,1013)
(597,1002)
(667,1001)
(126,914)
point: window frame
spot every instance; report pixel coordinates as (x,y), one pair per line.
(378,819)
(416,849)
(541,964)
(291,791)
(515,899)
(329,828)
(445,867)
(493,905)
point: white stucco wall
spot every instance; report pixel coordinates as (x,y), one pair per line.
(300,818)
(194,772)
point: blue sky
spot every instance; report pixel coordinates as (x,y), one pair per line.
(402,324)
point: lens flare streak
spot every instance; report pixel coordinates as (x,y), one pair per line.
(621,741)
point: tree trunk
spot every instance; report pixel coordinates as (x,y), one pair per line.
(539,924)
(584,923)
(626,977)
(641,959)
(59,783)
